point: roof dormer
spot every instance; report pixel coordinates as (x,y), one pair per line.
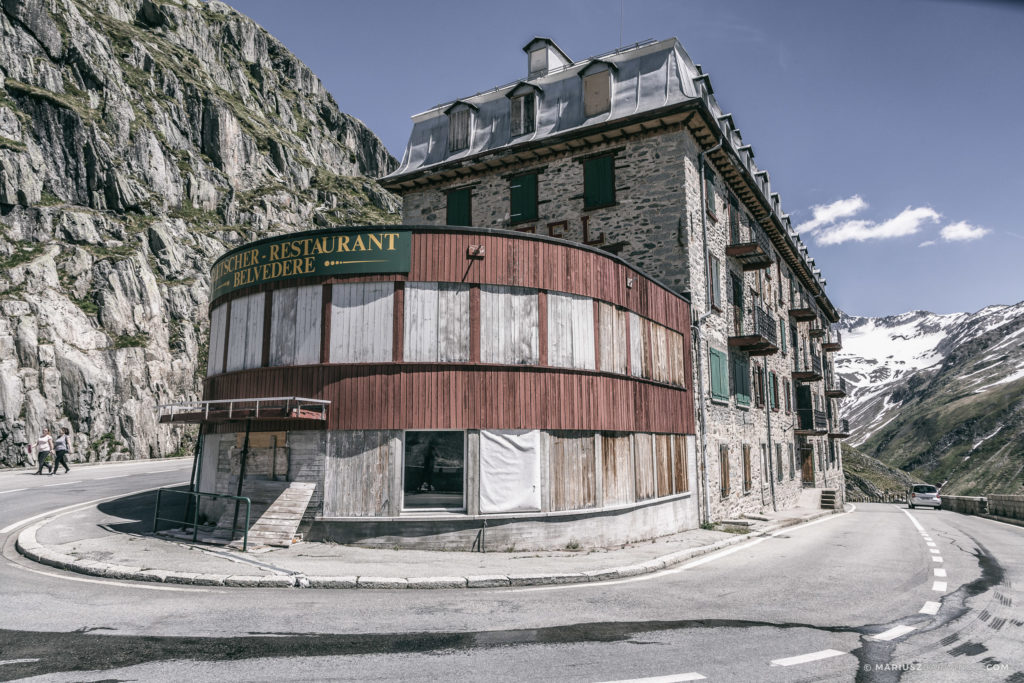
(543,56)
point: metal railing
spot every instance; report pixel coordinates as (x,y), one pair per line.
(811,419)
(840,425)
(285,403)
(758,323)
(193,504)
(801,364)
(838,384)
(832,336)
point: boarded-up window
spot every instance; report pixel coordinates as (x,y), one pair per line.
(612,323)
(643,463)
(681,462)
(663,464)
(295,325)
(436,322)
(747,481)
(245,341)
(639,347)
(523,198)
(218,327)
(617,463)
(356,481)
(598,182)
(459,207)
(573,477)
(597,93)
(571,331)
(509,325)
(723,467)
(667,359)
(362,322)
(521,115)
(509,471)
(458,129)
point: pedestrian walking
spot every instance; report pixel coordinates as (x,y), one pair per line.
(44,451)
(63,446)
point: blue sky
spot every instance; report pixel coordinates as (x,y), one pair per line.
(892,130)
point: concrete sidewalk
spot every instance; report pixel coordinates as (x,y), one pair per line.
(90,541)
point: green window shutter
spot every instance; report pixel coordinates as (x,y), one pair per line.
(772,390)
(598,182)
(782,335)
(719,376)
(459,212)
(741,379)
(523,198)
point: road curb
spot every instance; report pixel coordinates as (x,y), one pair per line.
(28,545)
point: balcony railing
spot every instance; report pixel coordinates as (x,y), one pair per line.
(802,309)
(840,428)
(804,370)
(756,332)
(836,388)
(811,422)
(833,340)
(750,247)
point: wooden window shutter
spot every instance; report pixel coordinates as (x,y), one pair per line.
(598,182)
(597,94)
(523,198)
(459,210)
(723,462)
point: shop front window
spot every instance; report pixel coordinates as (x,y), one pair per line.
(434,465)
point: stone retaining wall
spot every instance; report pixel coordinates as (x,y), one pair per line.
(1002,505)
(965,505)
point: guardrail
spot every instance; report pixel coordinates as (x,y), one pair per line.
(194,497)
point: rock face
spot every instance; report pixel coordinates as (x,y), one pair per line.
(138,141)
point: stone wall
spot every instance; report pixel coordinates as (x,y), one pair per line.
(1002,505)
(965,505)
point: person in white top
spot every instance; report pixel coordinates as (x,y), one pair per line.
(44,451)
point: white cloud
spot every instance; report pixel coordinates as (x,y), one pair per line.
(963,232)
(908,222)
(927,243)
(827,214)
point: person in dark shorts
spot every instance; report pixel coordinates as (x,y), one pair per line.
(62,444)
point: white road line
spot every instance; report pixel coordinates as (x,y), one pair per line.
(12,491)
(930,607)
(63,483)
(116,476)
(810,657)
(933,551)
(11,527)
(936,558)
(672,678)
(893,633)
(939,571)
(930,544)
(939,586)
(18,661)
(916,523)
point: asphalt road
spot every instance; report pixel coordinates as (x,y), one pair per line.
(839,599)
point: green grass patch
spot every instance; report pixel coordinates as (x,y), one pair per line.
(125,341)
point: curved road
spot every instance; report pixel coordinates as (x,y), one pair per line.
(879,594)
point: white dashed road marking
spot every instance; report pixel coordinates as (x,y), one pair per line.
(673,678)
(939,571)
(930,544)
(936,558)
(930,607)
(18,661)
(939,586)
(893,633)
(12,491)
(810,657)
(933,551)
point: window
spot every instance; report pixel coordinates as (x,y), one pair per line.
(523,198)
(599,182)
(792,462)
(782,335)
(734,221)
(458,129)
(459,207)
(597,93)
(509,325)
(788,396)
(758,387)
(747,483)
(719,375)
(295,325)
(571,331)
(778,462)
(245,335)
(709,192)
(434,467)
(723,465)
(773,390)
(362,322)
(218,328)
(741,378)
(436,322)
(522,119)
(714,282)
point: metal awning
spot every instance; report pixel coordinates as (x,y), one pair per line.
(240,409)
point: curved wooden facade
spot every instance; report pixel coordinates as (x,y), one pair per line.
(483,332)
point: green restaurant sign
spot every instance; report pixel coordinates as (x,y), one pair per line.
(312,254)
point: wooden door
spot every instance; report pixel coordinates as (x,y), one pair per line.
(807,465)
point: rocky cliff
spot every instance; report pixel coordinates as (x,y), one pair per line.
(138,141)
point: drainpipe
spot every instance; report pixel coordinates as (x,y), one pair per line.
(768,418)
(698,335)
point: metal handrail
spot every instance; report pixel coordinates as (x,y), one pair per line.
(838,383)
(172,409)
(758,322)
(194,496)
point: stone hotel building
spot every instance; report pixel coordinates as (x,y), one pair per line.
(631,153)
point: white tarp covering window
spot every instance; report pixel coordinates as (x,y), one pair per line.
(509,471)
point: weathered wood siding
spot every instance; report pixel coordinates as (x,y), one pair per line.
(663,465)
(681,463)
(571,342)
(356,474)
(245,337)
(509,325)
(437,322)
(306,454)
(218,331)
(617,463)
(612,322)
(362,317)
(643,463)
(639,348)
(295,325)
(573,476)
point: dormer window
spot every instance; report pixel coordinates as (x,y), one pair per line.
(597,88)
(522,117)
(460,117)
(539,60)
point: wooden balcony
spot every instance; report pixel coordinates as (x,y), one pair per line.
(802,311)
(816,332)
(752,250)
(833,341)
(755,332)
(811,422)
(804,371)
(836,388)
(840,429)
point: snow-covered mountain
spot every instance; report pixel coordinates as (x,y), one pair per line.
(939,395)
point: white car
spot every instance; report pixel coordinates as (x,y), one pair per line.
(924,495)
